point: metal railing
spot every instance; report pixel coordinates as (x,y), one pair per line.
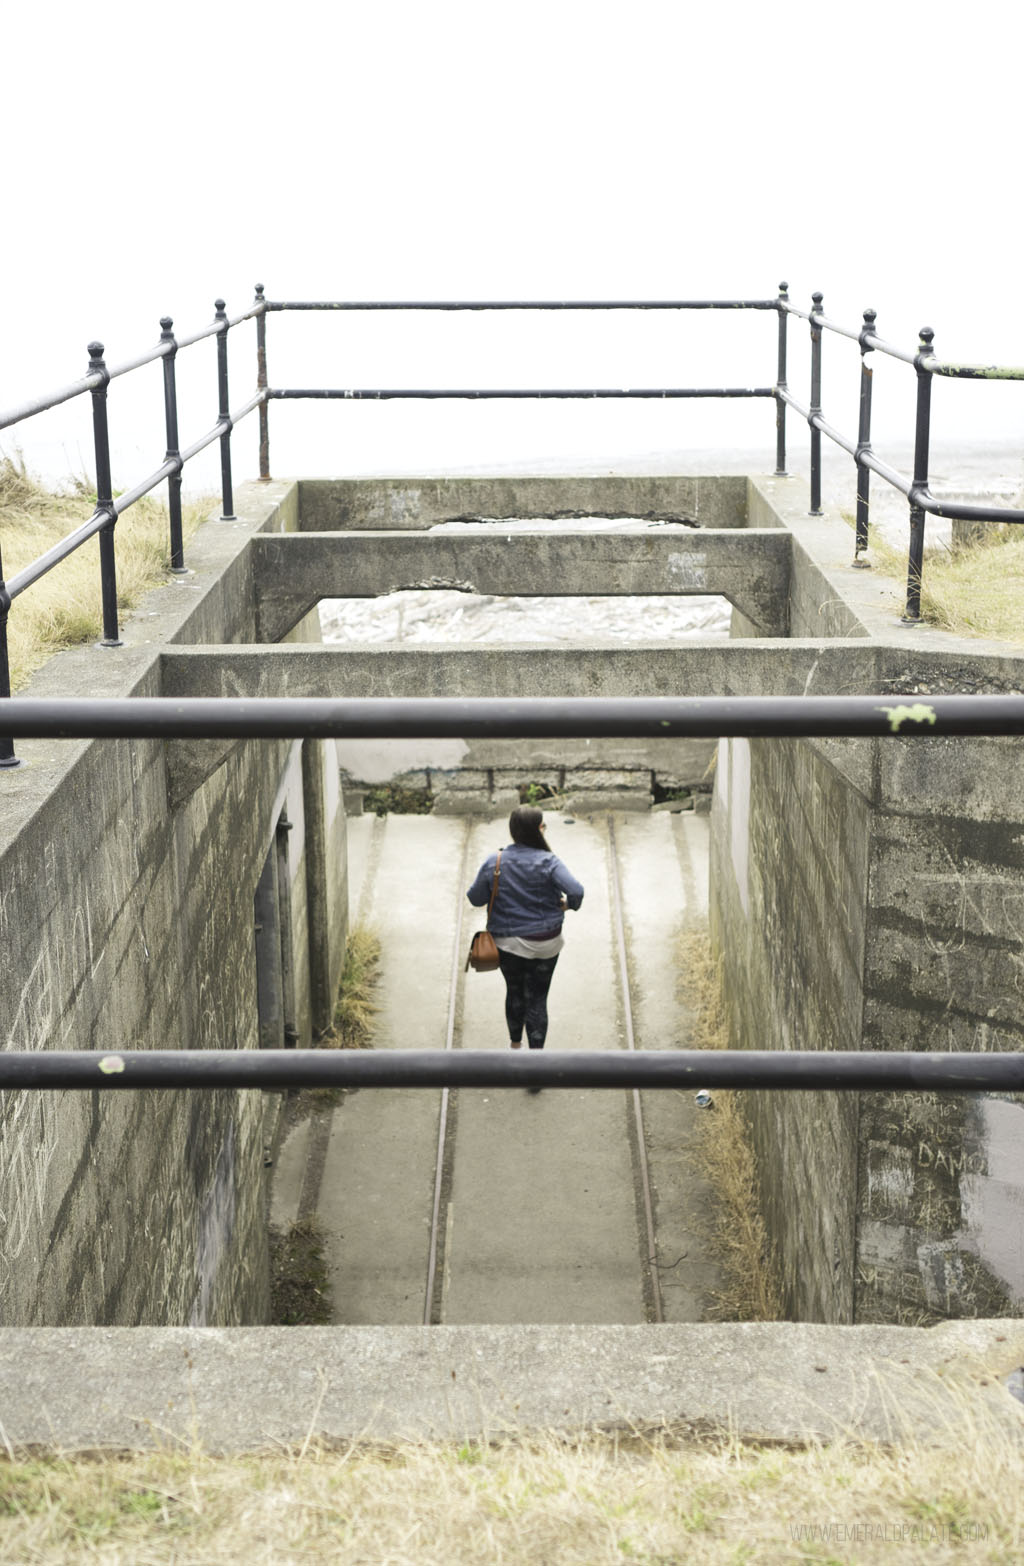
(291,717)
(905,1071)
(926,365)
(109,508)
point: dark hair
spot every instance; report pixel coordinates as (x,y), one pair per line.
(525,824)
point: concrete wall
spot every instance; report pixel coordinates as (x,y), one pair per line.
(870,895)
(328,505)
(941,1185)
(789,872)
(589,768)
(865,895)
(126,921)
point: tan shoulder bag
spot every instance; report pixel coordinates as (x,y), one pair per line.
(483,953)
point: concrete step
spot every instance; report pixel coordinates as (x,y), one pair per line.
(243,1389)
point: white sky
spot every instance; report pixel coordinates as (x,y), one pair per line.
(156,157)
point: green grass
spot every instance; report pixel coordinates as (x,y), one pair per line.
(63,609)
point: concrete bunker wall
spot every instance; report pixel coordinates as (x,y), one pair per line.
(126,922)
(870,895)
(585,771)
(864,895)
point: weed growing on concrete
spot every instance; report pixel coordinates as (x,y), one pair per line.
(750,1289)
(63,609)
(299,1290)
(393,799)
(536,793)
(355,1008)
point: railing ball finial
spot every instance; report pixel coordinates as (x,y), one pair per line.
(817,300)
(784,289)
(166,324)
(927,336)
(259,290)
(95,352)
(870,317)
(218,305)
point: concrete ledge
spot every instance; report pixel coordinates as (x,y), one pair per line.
(242,1389)
(293,572)
(328,504)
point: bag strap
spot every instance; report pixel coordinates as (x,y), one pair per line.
(494,888)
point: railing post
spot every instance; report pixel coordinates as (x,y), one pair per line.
(7,756)
(173,453)
(781,384)
(261,385)
(224,415)
(104,497)
(815,408)
(922,439)
(864,441)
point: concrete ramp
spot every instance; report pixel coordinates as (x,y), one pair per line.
(510,1207)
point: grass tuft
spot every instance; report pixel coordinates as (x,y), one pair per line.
(299,1281)
(977,590)
(63,609)
(750,1290)
(355,1008)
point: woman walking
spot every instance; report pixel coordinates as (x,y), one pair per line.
(534,891)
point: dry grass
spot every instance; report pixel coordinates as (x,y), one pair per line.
(975,591)
(63,609)
(355,1008)
(750,1290)
(582,1499)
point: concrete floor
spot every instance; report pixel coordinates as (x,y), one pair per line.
(540,1201)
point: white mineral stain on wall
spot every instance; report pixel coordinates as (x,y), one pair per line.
(739,817)
(216,1223)
(732,795)
(993,1203)
(890,1176)
(689,571)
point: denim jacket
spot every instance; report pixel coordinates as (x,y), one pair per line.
(530,885)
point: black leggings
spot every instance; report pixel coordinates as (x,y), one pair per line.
(527,981)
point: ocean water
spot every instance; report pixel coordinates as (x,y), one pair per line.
(992,472)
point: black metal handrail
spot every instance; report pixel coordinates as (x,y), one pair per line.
(915,488)
(513,717)
(268,717)
(108,508)
(901,1071)
(924,361)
